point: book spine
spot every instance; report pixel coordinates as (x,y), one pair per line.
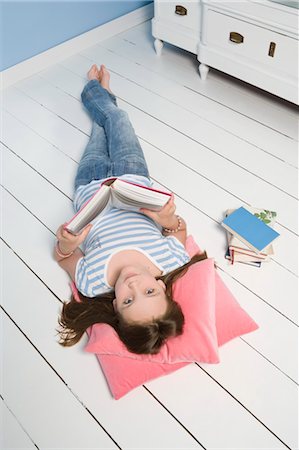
(68,225)
(147,188)
(251,263)
(249,253)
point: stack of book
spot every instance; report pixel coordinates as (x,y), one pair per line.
(250,235)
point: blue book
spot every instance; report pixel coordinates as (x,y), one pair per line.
(249,229)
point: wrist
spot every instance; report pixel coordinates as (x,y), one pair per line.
(171,222)
(177,224)
(62,251)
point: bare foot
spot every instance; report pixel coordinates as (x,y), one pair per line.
(104,78)
(93,73)
(102,75)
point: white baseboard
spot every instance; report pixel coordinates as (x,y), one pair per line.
(58,53)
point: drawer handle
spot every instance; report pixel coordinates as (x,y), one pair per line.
(272,48)
(180,10)
(237,38)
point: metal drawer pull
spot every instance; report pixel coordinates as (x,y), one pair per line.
(180,10)
(272,48)
(236,37)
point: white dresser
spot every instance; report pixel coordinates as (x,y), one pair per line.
(255,41)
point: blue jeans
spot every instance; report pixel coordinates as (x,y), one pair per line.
(113,148)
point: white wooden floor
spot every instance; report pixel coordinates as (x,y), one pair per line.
(217,144)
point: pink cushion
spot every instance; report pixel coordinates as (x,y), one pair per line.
(199,339)
(124,374)
(125,371)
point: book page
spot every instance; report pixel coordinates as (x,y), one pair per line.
(90,210)
(137,196)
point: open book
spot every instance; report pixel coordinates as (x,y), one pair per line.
(117,193)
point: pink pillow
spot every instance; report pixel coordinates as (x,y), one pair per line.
(124,371)
(199,339)
(124,374)
(231,320)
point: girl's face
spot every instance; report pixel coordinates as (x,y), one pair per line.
(139,297)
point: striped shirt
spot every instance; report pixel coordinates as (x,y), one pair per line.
(120,230)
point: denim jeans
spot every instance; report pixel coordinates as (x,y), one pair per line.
(113,148)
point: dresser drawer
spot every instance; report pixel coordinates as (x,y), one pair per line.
(186,13)
(245,40)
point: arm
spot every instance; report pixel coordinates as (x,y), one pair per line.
(67,252)
(179,228)
(169,221)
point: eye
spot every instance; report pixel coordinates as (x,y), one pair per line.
(127,301)
(149,291)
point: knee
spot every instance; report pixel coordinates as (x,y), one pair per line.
(117,113)
(131,163)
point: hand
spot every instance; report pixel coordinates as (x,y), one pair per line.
(165,217)
(69,242)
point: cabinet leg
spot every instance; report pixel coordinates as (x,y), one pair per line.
(158,44)
(203,71)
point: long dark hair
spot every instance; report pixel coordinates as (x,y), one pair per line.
(147,338)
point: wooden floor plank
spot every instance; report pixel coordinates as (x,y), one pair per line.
(46,124)
(42,156)
(190,402)
(266,393)
(27,192)
(13,436)
(43,407)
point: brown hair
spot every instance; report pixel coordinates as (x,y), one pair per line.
(146,338)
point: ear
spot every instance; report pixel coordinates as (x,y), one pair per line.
(162,284)
(114,305)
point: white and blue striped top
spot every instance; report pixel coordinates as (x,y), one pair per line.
(120,230)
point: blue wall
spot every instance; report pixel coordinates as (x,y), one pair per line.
(31,27)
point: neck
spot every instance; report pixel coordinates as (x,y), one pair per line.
(131,257)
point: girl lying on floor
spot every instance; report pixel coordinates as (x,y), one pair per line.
(130,259)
